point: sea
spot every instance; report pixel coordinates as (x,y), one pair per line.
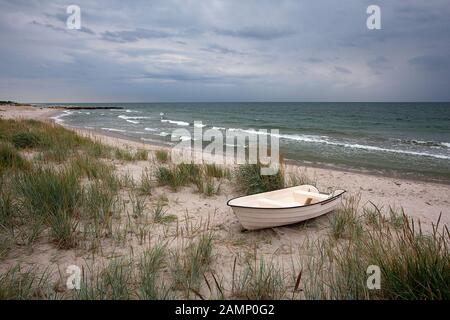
(401,139)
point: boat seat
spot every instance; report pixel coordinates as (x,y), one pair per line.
(265,202)
(302,196)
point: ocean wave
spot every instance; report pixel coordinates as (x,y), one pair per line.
(199,125)
(164,134)
(132,117)
(115,130)
(325,140)
(218,128)
(133,121)
(315,139)
(58,119)
(150,129)
(180,123)
(180,138)
(425,143)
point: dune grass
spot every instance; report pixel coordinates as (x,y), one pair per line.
(146,183)
(162,156)
(413,265)
(19,284)
(160,214)
(151,286)
(259,280)
(177,176)
(249,179)
(189,266)
(10,158)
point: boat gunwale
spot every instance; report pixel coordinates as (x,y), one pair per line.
(325,201)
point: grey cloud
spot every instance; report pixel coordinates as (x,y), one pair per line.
(301,49)
(49,25)
(342,70)
(134,35)
(430,62)
(378,64)
(255,33)
(62,29)
(313,60)
(220,49)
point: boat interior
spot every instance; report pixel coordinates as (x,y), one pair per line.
(284,198)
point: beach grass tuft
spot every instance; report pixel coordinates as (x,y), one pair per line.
(162,156)
(259,280)
(151,286)
(250,180)
(10,158)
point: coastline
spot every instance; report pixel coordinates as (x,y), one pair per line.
(419,198)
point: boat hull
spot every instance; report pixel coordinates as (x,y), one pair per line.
(260,218)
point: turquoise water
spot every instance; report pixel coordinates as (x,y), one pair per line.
(411,139)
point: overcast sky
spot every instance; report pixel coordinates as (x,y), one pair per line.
(168,50)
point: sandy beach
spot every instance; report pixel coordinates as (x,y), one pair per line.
(421,200)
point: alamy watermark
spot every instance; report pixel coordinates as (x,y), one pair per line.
(241,147)
(73,21)
(373,22)
(74,278)
(374,277)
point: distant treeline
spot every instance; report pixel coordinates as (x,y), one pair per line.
(13,103)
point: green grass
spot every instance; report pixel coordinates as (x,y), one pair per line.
(345,222)
(98,206)
(249,179)
(23,140)
(215,171)
(19,284)
(90,167)
(10,158)
(259,281)
(162,156)
(53,197)
(128,155)
(114,282)
(413,265)
(189,267)
(46,191)
(122,154)
(146,184)
(141,155)
(170,177)
(160,215)
(151,287)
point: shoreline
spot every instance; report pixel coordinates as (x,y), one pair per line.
(294,162)
(425,200)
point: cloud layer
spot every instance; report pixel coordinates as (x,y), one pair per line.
(256,50)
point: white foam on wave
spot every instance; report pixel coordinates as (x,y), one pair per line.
(58,119)
(316,139)
(180,123)
(132,117)
(150,129)
(325,140)
(199,125)
(133,121)
(115,130)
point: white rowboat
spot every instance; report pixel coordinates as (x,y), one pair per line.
(284,206)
